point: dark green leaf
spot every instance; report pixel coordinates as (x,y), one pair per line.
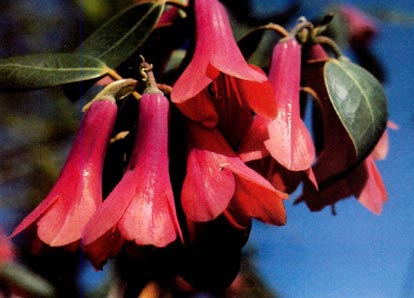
(360,102)
(22,278)
(249,43)
(48,70)
(123,34)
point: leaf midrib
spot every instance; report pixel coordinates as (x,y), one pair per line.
(13,65)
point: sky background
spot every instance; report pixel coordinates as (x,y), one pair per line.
(356,254)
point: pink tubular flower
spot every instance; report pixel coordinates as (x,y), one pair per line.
(63,214)
(141,207)
(284,136)
(216,175)
(215,51)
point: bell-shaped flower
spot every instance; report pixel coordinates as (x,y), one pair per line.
(141,206)
(216,51)
(63,214)
(216,175)
(284,136)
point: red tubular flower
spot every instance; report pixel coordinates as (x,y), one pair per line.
(141,207)
(285,136)
(77,193)
(215,51)
(215,175)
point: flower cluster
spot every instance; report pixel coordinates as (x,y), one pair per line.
(246,146)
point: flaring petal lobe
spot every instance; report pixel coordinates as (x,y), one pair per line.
(208,187)
(77,193)
(215,51)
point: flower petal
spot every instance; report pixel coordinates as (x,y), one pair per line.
(150,218)
(252,146)
(110,212)
(258,199)
(200,109)
(214,32)
(290,142)
(373,193)
(215,51)
(77,193)
(104,248)
(197,76)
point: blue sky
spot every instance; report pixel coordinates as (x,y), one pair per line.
(355,253)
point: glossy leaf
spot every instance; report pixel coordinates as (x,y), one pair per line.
(123,34)
(48,70)
(360,102)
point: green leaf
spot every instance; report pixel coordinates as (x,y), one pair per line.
(122,35)
(48,70)
(24,279)
(249,43)
(360,102)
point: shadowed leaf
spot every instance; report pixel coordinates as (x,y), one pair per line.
(250,42)
(48,70)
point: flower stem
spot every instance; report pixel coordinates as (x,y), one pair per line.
(277,28)
(331,44)
(113,74)
(148,76)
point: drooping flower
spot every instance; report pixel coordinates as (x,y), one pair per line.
(63,214)
(361,27)
(216,176)
(141,207)
(215,51)
(284,136)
